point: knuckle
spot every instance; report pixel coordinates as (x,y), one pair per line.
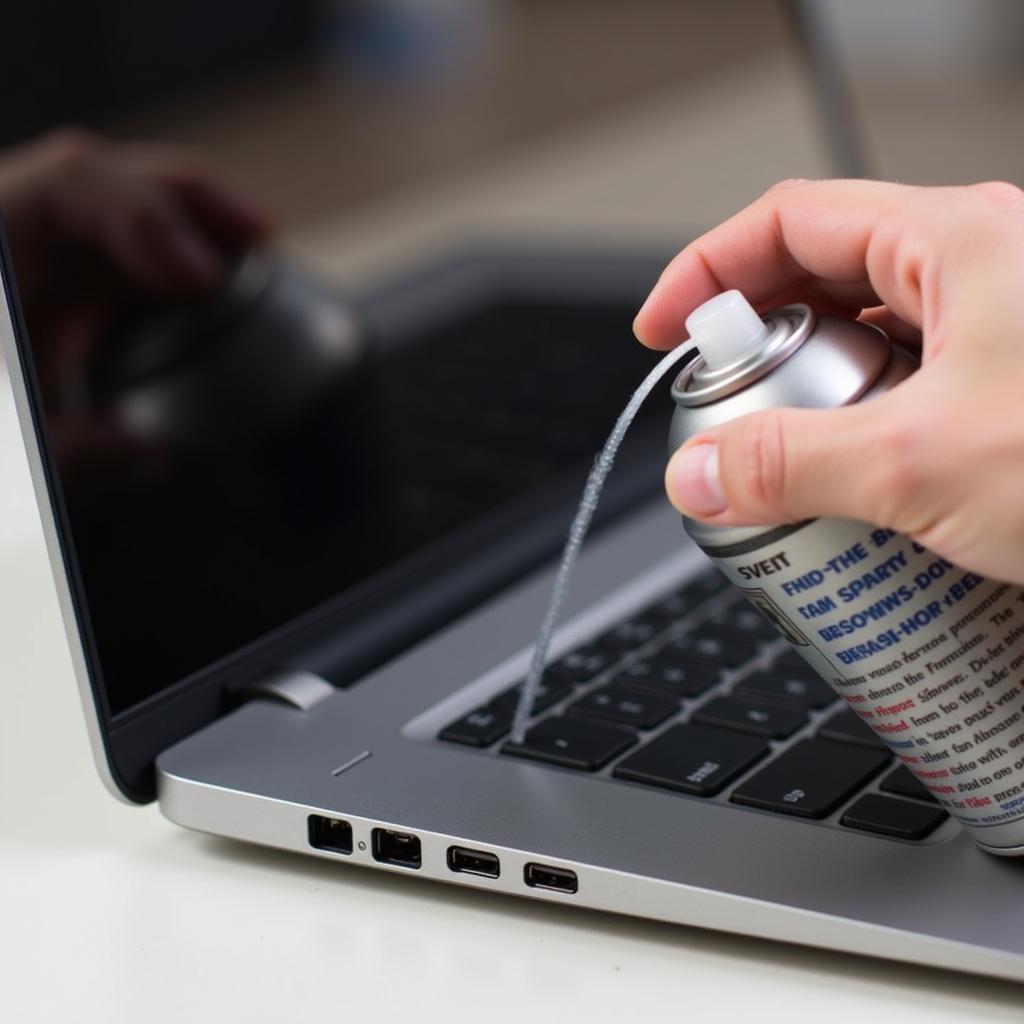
(898,487)
(1001,194)
(785,183)
(993,209)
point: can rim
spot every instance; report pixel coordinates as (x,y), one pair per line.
(790,326)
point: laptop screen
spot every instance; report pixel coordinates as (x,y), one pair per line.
(230,467)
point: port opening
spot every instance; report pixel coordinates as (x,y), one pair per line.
(399,848)
(473,862)
(543,876)
(331,834)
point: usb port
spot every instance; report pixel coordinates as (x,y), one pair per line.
(330,834)
(541,876)
(399,848)
(473,862)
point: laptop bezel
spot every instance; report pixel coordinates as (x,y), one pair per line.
(52,515)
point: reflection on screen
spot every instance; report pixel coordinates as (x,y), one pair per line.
(203,517)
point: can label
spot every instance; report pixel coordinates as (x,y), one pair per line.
(929,655)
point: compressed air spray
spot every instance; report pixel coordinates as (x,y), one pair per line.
(578,532)
(929,655)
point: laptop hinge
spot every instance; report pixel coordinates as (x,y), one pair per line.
(302,690)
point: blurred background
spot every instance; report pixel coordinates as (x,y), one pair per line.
(379,128)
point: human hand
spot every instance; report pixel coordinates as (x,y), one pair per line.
(95,225)
(939,457)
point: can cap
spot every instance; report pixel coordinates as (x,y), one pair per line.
(726,328)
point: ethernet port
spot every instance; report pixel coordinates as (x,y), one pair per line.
(331,834)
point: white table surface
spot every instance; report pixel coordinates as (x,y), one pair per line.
(109,913)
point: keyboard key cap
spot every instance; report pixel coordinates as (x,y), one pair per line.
(572,743)
(760,719)
(811,779)
(888,817)
(687,599)
(582,665)
(631,634)
(846,727)
(666,676)
(628,707)
(739,642)
(903,782)
(692,759)
(790,662)
(672,608)
(480,728)
(744,620)
(549,692)
(707,584)
(710,644)
(804,690)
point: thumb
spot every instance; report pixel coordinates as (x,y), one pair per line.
(785,465)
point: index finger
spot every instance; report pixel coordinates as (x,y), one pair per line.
(807,238)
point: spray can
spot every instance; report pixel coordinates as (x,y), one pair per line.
(929,655)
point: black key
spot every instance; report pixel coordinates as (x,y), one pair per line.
(846,727)
(549,692)
(789,662)
(665,676)
(672,608)
(692,759)
(903,782)
(580,666)
(759,719)
(707,584)
(888,817)
(743,641)
(629,707)
(811,779)
(708,643)
(480,728)
(632,633)
(804,690)
(572,743)
(692,596)
(744,620)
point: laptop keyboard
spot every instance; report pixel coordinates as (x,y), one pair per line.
(697,694)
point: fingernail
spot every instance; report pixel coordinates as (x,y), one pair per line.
(694,486)
(636,320)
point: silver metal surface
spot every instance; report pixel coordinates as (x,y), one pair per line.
(257,774)
(789,328)
(838,366)
(302,690)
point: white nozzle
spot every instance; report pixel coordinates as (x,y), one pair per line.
(725,328)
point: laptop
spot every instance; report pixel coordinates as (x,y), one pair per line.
(302,545)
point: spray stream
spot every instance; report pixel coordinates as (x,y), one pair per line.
(578,531)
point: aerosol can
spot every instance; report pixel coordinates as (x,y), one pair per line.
(929,655)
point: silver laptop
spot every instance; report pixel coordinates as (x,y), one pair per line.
(302,546)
